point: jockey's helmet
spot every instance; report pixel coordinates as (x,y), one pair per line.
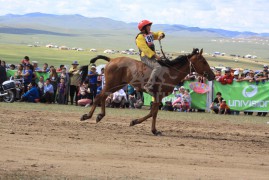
(143,23)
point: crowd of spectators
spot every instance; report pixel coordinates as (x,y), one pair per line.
(65,86)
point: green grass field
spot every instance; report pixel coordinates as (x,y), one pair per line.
(12,54)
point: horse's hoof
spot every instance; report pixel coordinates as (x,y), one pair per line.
(133,122)
(84,117)
(99,118)
(157,133)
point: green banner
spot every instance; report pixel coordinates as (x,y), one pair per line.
(198,100)
(245,96)
(38,74)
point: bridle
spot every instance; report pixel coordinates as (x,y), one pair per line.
(205,74)
(191,66)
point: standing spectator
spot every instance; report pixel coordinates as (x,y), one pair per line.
(45,68)
(236,76)
(40,85)
(65,76)
(3,74)
(32,95)
(60,68)
(12,67)
(217,74)
(3,64)
(27,76)
(61,92)
(216,103)
(48,92)
(35,66)
(25,60)
(93,81)
(227,78)
(54,81)
(19,72)
(74,82)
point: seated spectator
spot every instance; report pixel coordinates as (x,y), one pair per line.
(138,104)
(224,108)
(119,98)
(168,106)
(177,104)
(216,103)
(265,67)
(32,95)
(160,106)
(185,101)
(84,95)
(48,93)
(227,78)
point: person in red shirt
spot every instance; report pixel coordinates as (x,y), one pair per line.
(227,78)
(26,60)
(224,108)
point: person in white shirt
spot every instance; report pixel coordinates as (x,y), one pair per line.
(119,98)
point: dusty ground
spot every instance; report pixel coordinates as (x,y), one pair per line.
(58,146)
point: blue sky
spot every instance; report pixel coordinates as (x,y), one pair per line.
(239,15)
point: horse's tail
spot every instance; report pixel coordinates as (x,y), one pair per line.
(93,60)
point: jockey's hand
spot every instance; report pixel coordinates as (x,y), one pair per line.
(161,36)
(158,58)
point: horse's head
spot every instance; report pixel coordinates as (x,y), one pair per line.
(200,65)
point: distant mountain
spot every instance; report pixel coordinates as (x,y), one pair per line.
(49,23)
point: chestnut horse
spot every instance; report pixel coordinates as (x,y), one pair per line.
(124,70)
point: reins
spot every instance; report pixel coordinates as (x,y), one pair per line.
(161,47)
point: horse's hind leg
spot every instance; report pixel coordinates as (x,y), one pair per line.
(103,108)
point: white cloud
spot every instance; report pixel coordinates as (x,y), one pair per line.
(241,15)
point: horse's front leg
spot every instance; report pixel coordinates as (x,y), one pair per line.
(155,109)
(153,113)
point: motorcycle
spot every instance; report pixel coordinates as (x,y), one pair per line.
(10,90)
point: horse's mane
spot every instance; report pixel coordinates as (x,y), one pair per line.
(180,60)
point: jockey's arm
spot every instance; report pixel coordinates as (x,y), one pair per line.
(158,35)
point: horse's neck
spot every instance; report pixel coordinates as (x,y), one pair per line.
(180,72)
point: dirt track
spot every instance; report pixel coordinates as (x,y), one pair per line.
(48,146)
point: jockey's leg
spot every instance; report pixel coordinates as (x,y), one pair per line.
(156,69)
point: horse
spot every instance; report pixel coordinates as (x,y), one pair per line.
(121,71)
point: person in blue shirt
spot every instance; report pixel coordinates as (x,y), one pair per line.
(27,76)
(92,75)
(32,95)
(48,92)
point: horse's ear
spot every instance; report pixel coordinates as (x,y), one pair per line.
(201,52)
